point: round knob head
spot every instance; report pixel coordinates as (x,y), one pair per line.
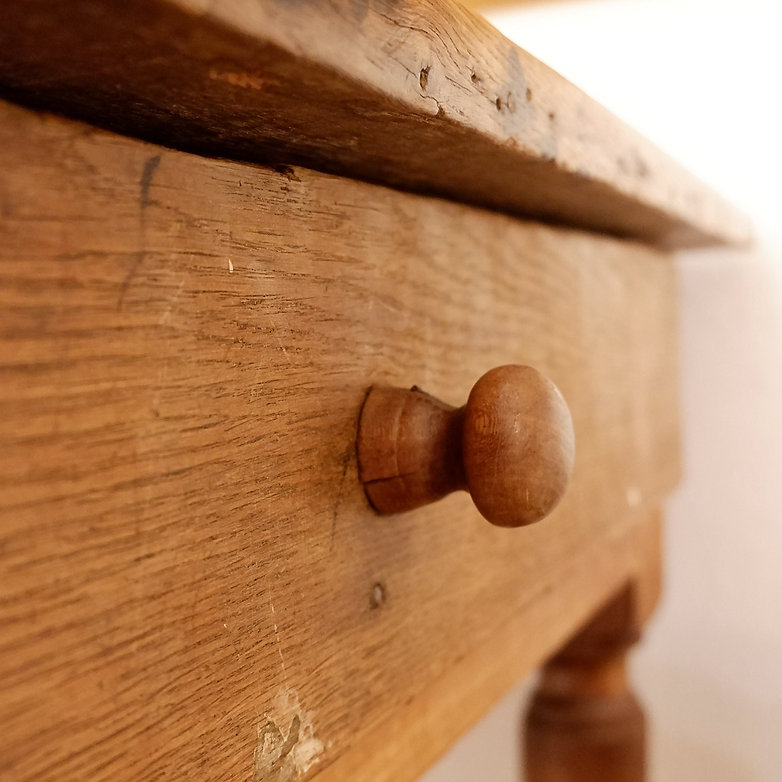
(518,445)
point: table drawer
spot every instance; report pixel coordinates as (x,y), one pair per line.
(194,584)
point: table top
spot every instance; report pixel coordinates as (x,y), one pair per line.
(420,94)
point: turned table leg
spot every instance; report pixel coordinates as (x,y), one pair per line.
(584,723)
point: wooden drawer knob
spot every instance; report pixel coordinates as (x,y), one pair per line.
(511,446)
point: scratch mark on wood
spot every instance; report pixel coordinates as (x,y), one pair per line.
(150,166)
(282,347)
(340,492)
(164,318)
(277,639)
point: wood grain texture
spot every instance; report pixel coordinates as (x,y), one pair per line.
(193,584)
(420,94)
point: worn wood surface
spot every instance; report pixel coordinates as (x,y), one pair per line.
(193,583)
(422,94)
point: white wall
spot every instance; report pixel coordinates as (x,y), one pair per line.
(703,79)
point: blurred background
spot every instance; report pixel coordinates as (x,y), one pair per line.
(703,81)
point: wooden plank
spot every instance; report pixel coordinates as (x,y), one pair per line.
(419,94)
(193,584)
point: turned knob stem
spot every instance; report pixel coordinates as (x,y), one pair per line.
(511,446)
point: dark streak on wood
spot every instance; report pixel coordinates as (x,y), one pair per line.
(146,180)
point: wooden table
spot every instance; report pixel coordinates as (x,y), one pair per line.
(222,223)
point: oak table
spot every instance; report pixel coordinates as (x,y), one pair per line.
(234,543)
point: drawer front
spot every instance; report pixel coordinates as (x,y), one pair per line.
(194,584)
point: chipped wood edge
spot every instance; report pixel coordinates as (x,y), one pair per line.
(430,98)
